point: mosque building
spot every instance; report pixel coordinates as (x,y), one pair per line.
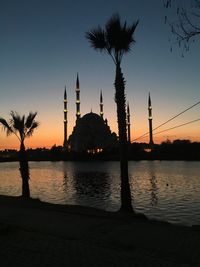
(91,133)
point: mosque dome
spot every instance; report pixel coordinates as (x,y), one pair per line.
(92,117)
(91,134)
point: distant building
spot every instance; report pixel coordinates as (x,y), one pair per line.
(91,133)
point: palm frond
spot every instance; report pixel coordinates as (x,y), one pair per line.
(29,120)
(127,37)
(113,30)
(17,123)
(116,39)
(34,125)
(120,37)
(6,126)
(20,126)
(96,38)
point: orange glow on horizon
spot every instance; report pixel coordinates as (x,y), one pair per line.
(47,136)
(51,129)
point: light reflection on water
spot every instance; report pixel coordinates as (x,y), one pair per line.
(167,190)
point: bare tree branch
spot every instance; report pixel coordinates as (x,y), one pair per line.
(187,28)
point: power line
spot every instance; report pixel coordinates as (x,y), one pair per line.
(143,135)
(176,115)
(177,126)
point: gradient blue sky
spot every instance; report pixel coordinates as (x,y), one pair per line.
(43,46)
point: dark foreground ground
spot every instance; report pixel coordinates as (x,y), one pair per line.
(33,233)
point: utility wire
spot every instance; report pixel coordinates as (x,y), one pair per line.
(177,126)
(141,136)
(168,120)
(176,115)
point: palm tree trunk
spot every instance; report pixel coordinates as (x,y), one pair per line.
(126,205)
(24,171)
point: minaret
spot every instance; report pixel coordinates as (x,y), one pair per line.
(150,123)
(101,105)
(65,119)
(128,124)
(78,114)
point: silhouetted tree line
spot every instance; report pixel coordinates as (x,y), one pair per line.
(179,149)
(176,150)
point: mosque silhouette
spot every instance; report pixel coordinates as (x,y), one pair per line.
(91,133)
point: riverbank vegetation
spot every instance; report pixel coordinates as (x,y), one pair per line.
(176,150)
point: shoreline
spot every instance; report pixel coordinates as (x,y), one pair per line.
(36,203)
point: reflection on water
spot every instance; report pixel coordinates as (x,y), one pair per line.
(91,187)
(164,190)
(154,198)
(153,184)
(91,184)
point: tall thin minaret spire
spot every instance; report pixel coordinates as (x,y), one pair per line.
(128,124)
(101,105)
(78,113)
(65,119)
(150,123)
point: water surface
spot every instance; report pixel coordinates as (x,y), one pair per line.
(166,190)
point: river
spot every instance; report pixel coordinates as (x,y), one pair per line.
(164,190)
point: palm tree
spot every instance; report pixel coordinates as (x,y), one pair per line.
(116,40)
(22,127)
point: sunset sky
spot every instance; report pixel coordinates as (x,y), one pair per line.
(43,47)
